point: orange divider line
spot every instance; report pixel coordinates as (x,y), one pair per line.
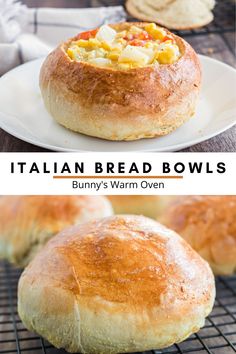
(117,177)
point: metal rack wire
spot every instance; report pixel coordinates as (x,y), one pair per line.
(217,337)
(224,17)
(222,25)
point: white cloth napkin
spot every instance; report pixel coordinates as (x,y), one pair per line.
(27,34)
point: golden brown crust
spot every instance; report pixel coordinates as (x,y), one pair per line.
(103,259)
(121,104)
(27,222)
(127,279)
(208,224)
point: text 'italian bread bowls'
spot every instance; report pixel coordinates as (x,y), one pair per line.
(28,222)
(119,284)
(208,224)
(147,205)
(122,82)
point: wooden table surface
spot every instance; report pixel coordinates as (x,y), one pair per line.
(216,45)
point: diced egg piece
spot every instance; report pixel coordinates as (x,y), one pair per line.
(103,62)
(100,52)
(117,46)
(124,66)
(136,30)
(106,34)
(132,54)
(149,52)
(121,34)
(92,54)
(121,41)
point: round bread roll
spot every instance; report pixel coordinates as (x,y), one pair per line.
(119,284)
(158,4)
(175,14)
(208,224)
(116,104)
(28,222)
(148,205)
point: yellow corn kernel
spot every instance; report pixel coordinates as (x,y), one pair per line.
(158,33)
(150,27)
(94,42)
(149,45)
(167,56)
(155,31)
(114,55)
(70,52)
(74,53)
(83,43)
(105,46)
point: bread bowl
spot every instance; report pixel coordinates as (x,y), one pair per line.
(127,88)
(28,222)
(147,205)
(208,224)
(119,284)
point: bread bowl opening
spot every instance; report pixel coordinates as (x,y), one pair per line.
(125,46)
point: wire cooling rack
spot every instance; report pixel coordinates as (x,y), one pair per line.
(224,17)
(217,337)
(223,25)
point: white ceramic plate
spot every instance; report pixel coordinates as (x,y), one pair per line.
(23,115)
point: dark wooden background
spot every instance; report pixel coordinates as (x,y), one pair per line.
(218,44)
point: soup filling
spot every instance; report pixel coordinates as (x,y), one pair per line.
(126,49)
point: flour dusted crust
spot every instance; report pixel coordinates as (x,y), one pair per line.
(158,4)
(208,224)
(115,104)
(175,14)
(119,284)
(28,222)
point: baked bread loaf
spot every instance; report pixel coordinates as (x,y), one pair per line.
(147,205)
(28,222)
(119,284)
(208,224)
(122,82)
(173,14)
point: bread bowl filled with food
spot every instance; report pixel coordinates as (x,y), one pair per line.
(122,82)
